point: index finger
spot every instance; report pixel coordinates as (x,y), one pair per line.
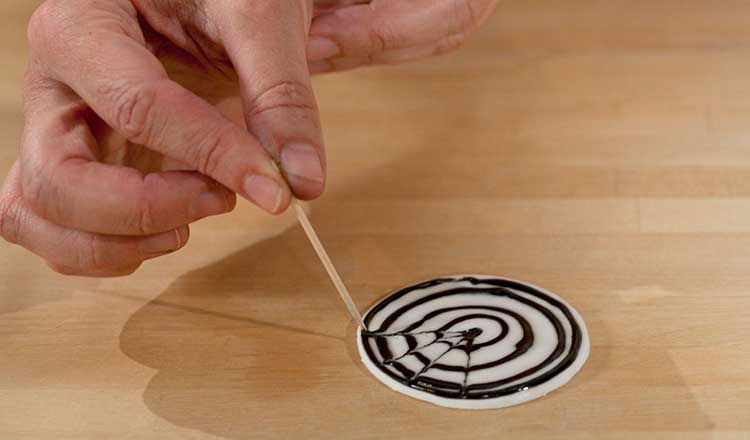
(394,30)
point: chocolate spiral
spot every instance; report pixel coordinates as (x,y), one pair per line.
(474,338)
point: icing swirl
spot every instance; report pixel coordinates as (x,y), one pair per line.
(473,341)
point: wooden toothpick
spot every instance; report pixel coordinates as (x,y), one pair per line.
(320,250)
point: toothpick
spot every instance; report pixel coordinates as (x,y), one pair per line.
(320,250)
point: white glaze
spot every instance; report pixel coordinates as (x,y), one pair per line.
(448,352)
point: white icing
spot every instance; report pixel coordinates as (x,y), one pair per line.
(433,352)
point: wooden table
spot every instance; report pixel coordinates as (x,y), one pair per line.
(600,149)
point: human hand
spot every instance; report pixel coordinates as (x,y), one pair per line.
(346,34)
(118,157)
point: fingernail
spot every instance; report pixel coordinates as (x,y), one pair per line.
(264,192)
(319,48)
(210,202)
(164,242)
(303,161)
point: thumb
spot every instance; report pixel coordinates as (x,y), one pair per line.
(265,41)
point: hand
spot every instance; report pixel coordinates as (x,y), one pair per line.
(120,154)
(345,34)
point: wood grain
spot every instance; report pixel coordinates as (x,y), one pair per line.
(598,148)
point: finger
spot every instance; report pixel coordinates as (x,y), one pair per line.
(63,182)
(394,56)
(266,43)
(109,67)
(77,252)
(370,31)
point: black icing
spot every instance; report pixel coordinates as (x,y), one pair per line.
(464,340)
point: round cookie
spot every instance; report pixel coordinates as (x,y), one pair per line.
(473,341)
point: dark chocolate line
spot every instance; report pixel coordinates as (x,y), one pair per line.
(464,388)
(433,361)
(415,349)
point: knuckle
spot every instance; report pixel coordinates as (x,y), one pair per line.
(144,221)
(88,255)
(383,38)
(213,148)
(33,188)
(53,26)
(131,110)
(10,218)
(92,255)
(283,95)
(44,19)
